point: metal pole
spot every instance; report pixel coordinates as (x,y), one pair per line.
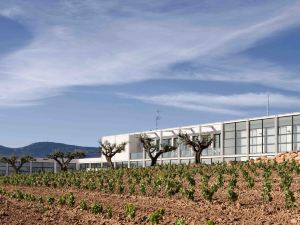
(157,118)
(268,105)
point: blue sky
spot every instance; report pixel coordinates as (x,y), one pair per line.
(73,71)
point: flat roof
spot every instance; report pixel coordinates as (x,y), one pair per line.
(208,124)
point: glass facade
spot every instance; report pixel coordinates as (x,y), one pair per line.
(84,166)
(121,164)
(256,137)
(3,167)
(206,161)
(262,136)
(136,164)
(285,134)
(172,154)
(214,149)
(136,155)
(235,138)
(42,167)
(288,133)
(296,133)
(269,135)
(185,151)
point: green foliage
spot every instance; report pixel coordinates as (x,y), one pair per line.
(50,200)
(180,221)
(208,192)
(96,208)
(156,216)
(162,181)
(210,222)
(189,193)
(70,199)
(143,188)
(247,177)
(18,195)
(62,200)
(109,212)
(83,205)
(267,185)
(285,184)
(130,211)
(232,195)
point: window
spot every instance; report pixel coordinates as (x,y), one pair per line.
(3,168)
(42,166)
(83,166)
(172,154)
(235,138)
(296,133)
(185,151)
(256,136)
(285,133)
(269,136)
(229,139)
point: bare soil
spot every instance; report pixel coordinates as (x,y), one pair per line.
(248,209)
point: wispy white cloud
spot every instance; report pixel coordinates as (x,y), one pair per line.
(235,104)
(103,43)
(10,12)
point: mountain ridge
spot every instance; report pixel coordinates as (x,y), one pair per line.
(42,149)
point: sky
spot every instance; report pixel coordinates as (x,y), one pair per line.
(72,71)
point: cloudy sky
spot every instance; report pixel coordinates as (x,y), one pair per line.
(74,70)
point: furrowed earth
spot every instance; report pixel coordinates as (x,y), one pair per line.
(247,209)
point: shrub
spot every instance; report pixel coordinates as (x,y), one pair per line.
(96,208)
(18,195)
(62,200)
(50,200)
(109,212)
(232,195)
(210,222)
(83,205)
(70,199)
(267,186)
(130,210)
(156,216)
(180,221)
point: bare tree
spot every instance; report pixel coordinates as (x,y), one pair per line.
(110,150)
(64,158)
(154,150)
(198,144)
(16,162)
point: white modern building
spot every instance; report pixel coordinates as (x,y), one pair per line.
(235,140)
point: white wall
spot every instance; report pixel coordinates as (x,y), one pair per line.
(118,139)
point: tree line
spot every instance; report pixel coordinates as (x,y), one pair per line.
(152,148)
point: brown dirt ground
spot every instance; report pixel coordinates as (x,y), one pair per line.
(247,210)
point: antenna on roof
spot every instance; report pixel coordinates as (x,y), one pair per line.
(157,118)
(268,104)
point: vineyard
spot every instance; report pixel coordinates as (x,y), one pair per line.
(239,193)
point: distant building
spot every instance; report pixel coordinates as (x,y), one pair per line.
(236,140)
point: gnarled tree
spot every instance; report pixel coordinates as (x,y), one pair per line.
(16,162)
(198,144)
(63,159)
(110,150)
(154,150)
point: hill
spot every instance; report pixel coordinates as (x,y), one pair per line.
(42,149)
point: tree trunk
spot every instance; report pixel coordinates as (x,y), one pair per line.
(108,159)
(64,168)
(153,161)
(17,171)
(197,157)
